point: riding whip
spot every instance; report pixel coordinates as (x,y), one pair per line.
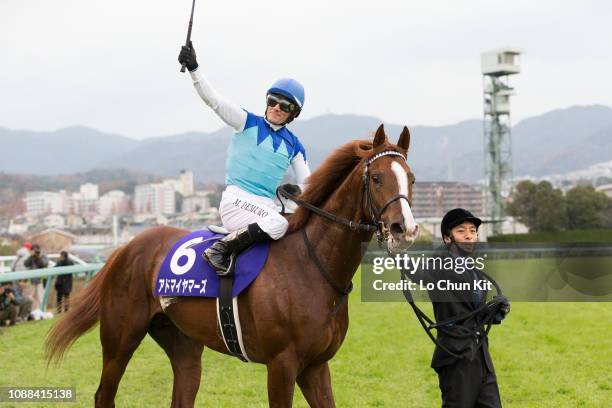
(188,33)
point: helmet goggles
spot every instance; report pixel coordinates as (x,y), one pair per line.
(285,105)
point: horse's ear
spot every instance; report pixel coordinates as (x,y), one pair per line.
(379,137)
(404,140)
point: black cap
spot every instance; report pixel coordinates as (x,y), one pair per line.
(455,217)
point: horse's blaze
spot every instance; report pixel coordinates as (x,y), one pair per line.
(402,182)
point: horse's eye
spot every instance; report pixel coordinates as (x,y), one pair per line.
(376,179)
(413,181)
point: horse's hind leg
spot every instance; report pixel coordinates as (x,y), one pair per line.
(185,356)
(315,383)
(123,325)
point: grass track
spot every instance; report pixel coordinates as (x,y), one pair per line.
(546,355)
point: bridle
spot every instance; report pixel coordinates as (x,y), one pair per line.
(382,231)
(374,225)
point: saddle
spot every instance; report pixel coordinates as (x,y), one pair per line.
(184,272)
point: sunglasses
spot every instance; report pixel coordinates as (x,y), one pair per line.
(283,104)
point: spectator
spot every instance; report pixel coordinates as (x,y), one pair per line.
(24,302)
(36,261)
(22,254)
(63,284)
(8,304)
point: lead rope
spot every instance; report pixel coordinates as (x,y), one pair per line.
(428,324)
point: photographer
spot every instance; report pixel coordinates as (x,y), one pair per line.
(461,357)
(24,302)
(36,261)
(8,304)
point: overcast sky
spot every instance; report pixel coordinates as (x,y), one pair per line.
(112,65)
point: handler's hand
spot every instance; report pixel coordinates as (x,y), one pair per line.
(502,310)
(187,56)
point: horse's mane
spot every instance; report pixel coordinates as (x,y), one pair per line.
(331,174)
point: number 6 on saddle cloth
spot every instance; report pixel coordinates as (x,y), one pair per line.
(185,273)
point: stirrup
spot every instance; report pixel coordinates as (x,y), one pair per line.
(230,269)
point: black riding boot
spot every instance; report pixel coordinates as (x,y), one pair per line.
(222,254)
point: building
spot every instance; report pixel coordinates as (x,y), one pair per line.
(54,221)
(607,189)
(100,235)
(86,200)
(89,191)
(434,199)
(197,203)
(114,202)
(154,199)
(183,185)
(50,202)
(53,240)
(46,202)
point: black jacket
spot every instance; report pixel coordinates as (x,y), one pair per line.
(455,303)
(36,262)
(63,283)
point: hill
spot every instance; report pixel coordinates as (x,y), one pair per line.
(556,142)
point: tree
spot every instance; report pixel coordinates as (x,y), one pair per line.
(539,206)
(551,213)
(587,208)
(522,205)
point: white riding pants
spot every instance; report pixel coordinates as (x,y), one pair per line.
(239,208)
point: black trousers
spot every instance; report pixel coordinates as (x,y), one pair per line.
(467,384)
(63,301)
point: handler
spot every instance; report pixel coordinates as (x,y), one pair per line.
(466,374)
(260,152)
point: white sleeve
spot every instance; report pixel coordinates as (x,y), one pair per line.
(231,114)
(300,169)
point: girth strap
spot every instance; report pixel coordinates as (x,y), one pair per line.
(227,321)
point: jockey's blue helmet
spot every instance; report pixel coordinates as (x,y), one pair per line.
(289,88)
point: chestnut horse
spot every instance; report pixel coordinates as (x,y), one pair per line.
(293,320)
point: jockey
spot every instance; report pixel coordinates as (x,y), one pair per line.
(260,151)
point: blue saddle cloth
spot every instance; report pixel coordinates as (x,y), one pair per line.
(185,272)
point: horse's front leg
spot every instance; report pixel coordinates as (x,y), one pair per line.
(282,372)
(315,383)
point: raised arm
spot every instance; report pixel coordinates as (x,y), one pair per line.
(229,113)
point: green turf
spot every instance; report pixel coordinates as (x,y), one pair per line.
(546,355)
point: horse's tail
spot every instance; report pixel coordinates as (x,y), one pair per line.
(84,314)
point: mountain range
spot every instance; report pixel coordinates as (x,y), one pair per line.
(558,141)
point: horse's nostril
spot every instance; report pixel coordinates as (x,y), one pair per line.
(397,228)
